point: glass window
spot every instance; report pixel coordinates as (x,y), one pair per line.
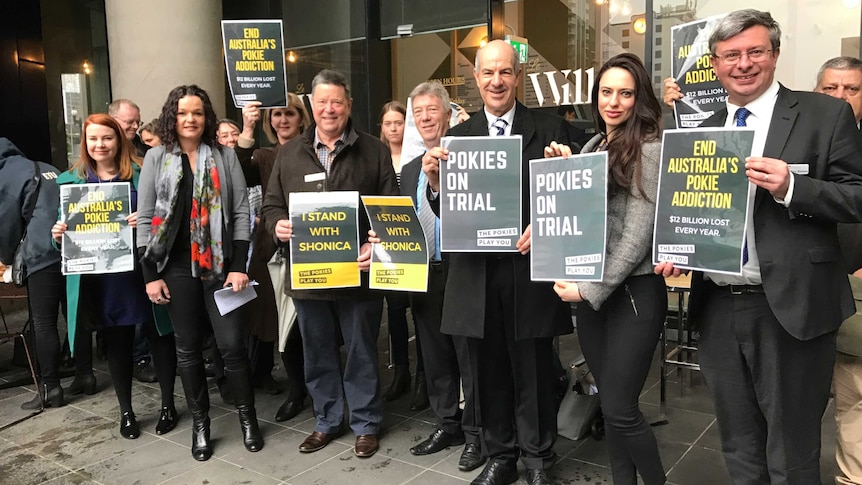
(327,22)
(434,16)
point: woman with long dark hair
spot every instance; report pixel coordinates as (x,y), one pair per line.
(620,318)
(116,302)
(280,125)
(193,240)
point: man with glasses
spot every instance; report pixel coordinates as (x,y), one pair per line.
(767,336)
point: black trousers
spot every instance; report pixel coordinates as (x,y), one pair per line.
(516,379)
(770,389)
(397,304)
(619,342)
(447,361)
(191,302)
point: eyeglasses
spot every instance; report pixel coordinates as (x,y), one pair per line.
(733,58)
(129,122)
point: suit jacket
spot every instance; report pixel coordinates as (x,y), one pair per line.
(800,260)
(539,312)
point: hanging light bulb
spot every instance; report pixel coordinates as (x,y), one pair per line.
(291,57)
(86,67)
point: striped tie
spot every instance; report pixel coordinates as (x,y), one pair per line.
(426,218)
(500,124)
(741,115)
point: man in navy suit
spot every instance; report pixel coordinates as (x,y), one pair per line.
(767,336)
(511,321)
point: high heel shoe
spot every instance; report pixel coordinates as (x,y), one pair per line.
(167,420)
(48,397)
(129,426)
(83,384)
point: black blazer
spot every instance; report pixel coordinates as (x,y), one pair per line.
(539,312)
(800,259)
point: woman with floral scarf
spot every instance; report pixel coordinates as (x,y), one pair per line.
(193,239)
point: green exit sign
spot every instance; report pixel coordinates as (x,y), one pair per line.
(521,47)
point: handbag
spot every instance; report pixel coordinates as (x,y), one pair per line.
(19,266)
(578,409)
(277,267)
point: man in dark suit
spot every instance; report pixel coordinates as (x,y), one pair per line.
(511,321)
(445,357)
(841,77)
(767,336)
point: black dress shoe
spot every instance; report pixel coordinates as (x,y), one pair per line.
(144,372)
(538,477)
(497,473)
(471,458)
(439,440)
(167,420)
(128,426)
(290,409)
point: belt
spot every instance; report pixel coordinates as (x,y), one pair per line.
(741,289)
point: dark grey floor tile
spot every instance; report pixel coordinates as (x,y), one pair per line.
(700,466)
(682,427)
(348,469)
(568,471)
(397,441)
(216,471)
(152,463)
(683,393)
(23,467)
(435,478)
(596,452)
(280,458)
(74,478)
(711,439)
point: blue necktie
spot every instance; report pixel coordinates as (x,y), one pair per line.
(500,124)
(741,115)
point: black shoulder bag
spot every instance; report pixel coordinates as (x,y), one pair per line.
(19,267)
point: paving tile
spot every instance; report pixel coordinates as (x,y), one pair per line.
(429,477)
(280,458)
(347,468)
(72,437)
(596,452)
(22,467)
(449,466)
(691,395)
(711,439)
(396,442)
(152,463)
(682,427)
(225,433)
(216,471)
(700,466)
(74,478)
(568,471)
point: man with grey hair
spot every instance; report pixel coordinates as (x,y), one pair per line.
(334,156)
(445,357)
(767,336)
(128,115)
(510,320)
(841,77)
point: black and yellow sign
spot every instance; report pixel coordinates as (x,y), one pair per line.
(254,59)
(568,216)
(702,94)
(98,239)
(400,261)
(703,200)
(480,194)
(325,242)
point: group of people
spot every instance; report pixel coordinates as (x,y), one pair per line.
(767,342)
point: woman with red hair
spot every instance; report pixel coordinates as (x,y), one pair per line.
(116,302)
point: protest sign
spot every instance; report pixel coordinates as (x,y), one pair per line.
(254,59)
(480,194)
(97,239)
(702,204)
(400,261)
(325,241)
(703,95)
(568,216)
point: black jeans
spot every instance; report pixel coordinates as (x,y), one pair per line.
(47,289)
(191,302)
(619,341)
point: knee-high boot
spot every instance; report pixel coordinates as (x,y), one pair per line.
(240,387)
(198,399)
(293,366)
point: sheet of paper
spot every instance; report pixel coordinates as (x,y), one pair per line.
(228,300)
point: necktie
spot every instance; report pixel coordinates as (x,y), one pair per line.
(741,115)
(427,218)
(500,124)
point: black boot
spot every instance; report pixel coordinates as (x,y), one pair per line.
(49,396)
(198,400)
(295,402)
(400,383)
(243,394)
(419,401)
(83,384)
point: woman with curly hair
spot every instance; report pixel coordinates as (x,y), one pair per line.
(193,240)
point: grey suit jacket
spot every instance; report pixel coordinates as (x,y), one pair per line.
(800,259)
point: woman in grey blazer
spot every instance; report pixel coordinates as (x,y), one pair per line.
(620,318)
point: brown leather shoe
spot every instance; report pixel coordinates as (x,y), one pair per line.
(316,441)
(366,445)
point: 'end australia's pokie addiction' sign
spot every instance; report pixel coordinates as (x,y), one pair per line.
(568,217)
(702,94)
(98,238)
(254,59)
(703,199)
(480,194)
(400,261)
(325,241)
